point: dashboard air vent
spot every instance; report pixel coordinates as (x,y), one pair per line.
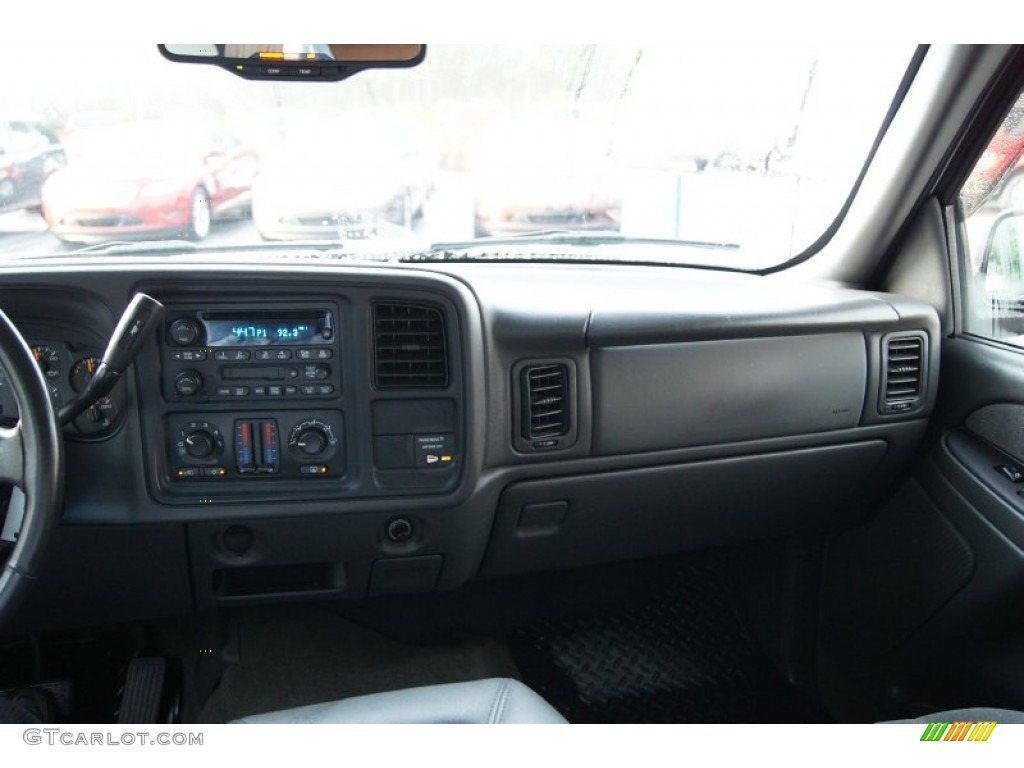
(409,347)
(545,401)
(904,373)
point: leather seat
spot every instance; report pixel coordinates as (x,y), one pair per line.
(971,715)
(497,700)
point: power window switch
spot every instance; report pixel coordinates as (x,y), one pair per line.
(1012,472)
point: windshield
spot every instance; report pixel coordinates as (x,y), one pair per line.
(742,156)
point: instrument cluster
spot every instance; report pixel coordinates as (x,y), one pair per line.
(67,369)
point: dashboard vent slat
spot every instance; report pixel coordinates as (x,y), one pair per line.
(903,369)
(409,346)
(545,401)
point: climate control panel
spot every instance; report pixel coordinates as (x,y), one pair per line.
(250,445)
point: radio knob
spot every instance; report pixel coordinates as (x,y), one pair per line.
(185,332)
(188,383)
(311,441)
(199,444)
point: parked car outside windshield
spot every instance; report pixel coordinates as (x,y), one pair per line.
(755,150)
(28,156)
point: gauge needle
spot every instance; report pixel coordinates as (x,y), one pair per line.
(89,366)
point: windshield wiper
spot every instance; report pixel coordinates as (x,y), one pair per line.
(119,246)
(333,249)
(577,237)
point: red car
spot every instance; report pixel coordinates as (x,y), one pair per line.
(148,180)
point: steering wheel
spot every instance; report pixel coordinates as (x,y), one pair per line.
(32,458)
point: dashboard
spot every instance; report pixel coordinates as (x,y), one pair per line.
(298,430)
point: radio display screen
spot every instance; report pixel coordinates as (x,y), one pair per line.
(264,330)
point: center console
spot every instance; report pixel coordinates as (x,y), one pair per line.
(255,363)
(348,395)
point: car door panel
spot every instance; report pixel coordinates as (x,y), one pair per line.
(920,604)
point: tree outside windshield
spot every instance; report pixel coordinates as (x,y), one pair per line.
(753,149)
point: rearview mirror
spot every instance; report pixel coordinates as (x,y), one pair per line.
(299,61)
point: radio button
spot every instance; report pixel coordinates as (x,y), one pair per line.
(260,391)
(239,391)
(275,390)
(316,371)
(273,354)
(185,331)
(291,389)
(325,389)
(314,354)
(233,355)
(187,355)
(223,391)
(188,383)
(309,389)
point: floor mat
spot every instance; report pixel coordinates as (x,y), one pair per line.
(681,656)
(302,654)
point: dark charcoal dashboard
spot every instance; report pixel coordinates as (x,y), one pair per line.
(298,431)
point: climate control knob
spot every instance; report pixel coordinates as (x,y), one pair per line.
(197,442)
(188,383)
(200,444)
(311,442)
(312,438)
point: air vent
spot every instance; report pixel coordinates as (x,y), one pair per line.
(904,373)
(409,345)
(545,402)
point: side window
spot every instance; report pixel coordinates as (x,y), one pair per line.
(992,204)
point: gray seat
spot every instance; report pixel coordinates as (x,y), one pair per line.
(497,700)
(970,715)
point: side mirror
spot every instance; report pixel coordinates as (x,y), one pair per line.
(997,288)
(1004,249)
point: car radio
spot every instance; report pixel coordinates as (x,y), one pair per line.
(258,354)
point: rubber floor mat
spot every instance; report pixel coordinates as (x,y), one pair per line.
(682,656)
